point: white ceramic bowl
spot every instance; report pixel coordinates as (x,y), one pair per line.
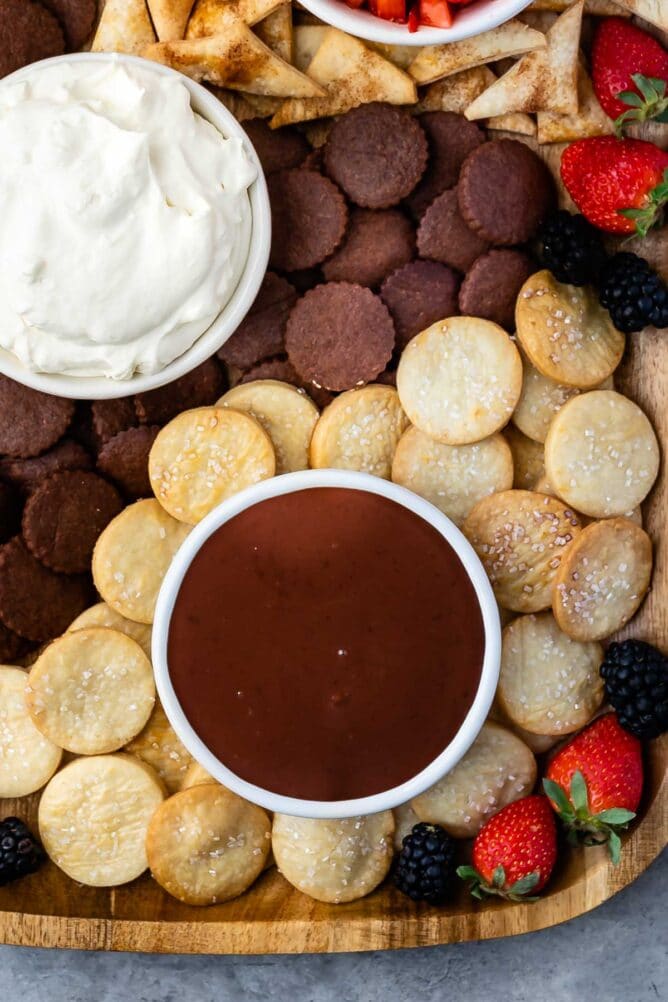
(102,388)
(472,20)
(474,719)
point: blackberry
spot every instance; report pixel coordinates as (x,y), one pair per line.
(633,293)
(571,248)
(425,869)
(636,684)
(20,852)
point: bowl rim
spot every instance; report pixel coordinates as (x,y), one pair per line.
(210,108)
(470,21)
(286,484)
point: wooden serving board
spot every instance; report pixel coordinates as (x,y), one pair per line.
(48,909)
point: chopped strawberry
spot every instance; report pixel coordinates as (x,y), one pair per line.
(435,13)
(414,17)
(355,4)
(629,71)
(389,10)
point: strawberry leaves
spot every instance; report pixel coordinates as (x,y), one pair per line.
(583,827)
(650,101)
(646,217)
(481,888)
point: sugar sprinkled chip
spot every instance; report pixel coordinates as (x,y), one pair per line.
(521,538)
(460,379)
(549,683)
(497,769)
(359,430)
(528,458)
(452,477)
(565,333)
(93,817)
(601,454)
(132,556)
(206,455)
(28,759)
(602,579)
(206,845)
(158,746)
(196,775)
(103,615)
(286,413)
(91,691)
(334,861)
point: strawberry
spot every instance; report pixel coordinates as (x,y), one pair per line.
(594,783)
(629,70)
(619,185)
(390,10)
(515,852)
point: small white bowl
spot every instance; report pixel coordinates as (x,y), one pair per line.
(102,388)
(474,719)
(472,20)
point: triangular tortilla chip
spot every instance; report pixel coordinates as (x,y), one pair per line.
(654,11)
(401,55)
(170,18)
(455,93)
(514,121)
(236,60)
(236,103)
(353,75)
(276,32)
(124,27)
(588,120)
(212,17)
(543,80)
(602,8)
(510,39)
(307,39)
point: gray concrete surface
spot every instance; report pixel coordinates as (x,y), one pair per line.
(617,953)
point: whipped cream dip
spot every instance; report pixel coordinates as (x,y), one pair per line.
(126,220)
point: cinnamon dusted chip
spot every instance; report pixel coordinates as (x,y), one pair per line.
(30,421)
(588,120)
(124,26)
(510,39)
(170,17)
(521,538)
(455,93)
(198,388)
(351,75)
(276,31)
(212,17)
(654,11)
(603,8)
(124,459)
(542,80)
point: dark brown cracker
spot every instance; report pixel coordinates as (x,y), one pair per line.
(260,334)
(199,388)
(124,459)
(35,602)
(28,32)
(108,417)
(450,138)
(305,279)
(339,336)
(505,191)
(308,216)
(64,516)
(10,512)
(492,284)
(77,18)
(377,153)
(30,422)
(444,236)
(26,474)
(418,295)
(11,646)
(376,244)
(278,149)
(280,368)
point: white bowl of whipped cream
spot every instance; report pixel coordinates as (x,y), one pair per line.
(136,225)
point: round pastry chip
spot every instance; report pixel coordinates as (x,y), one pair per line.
(601,454)
(103,615)
(159,747)
(565,333)
(528,458)
(93,818)
(132,556)
(206,455)
(497,769)
(460,379)
(602,579)
(359,430)
(521,538)
(287,414)
(28,760)
(206,845)
(453,477)
(334,861)
(91,691)
(196,775)
(549,683)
